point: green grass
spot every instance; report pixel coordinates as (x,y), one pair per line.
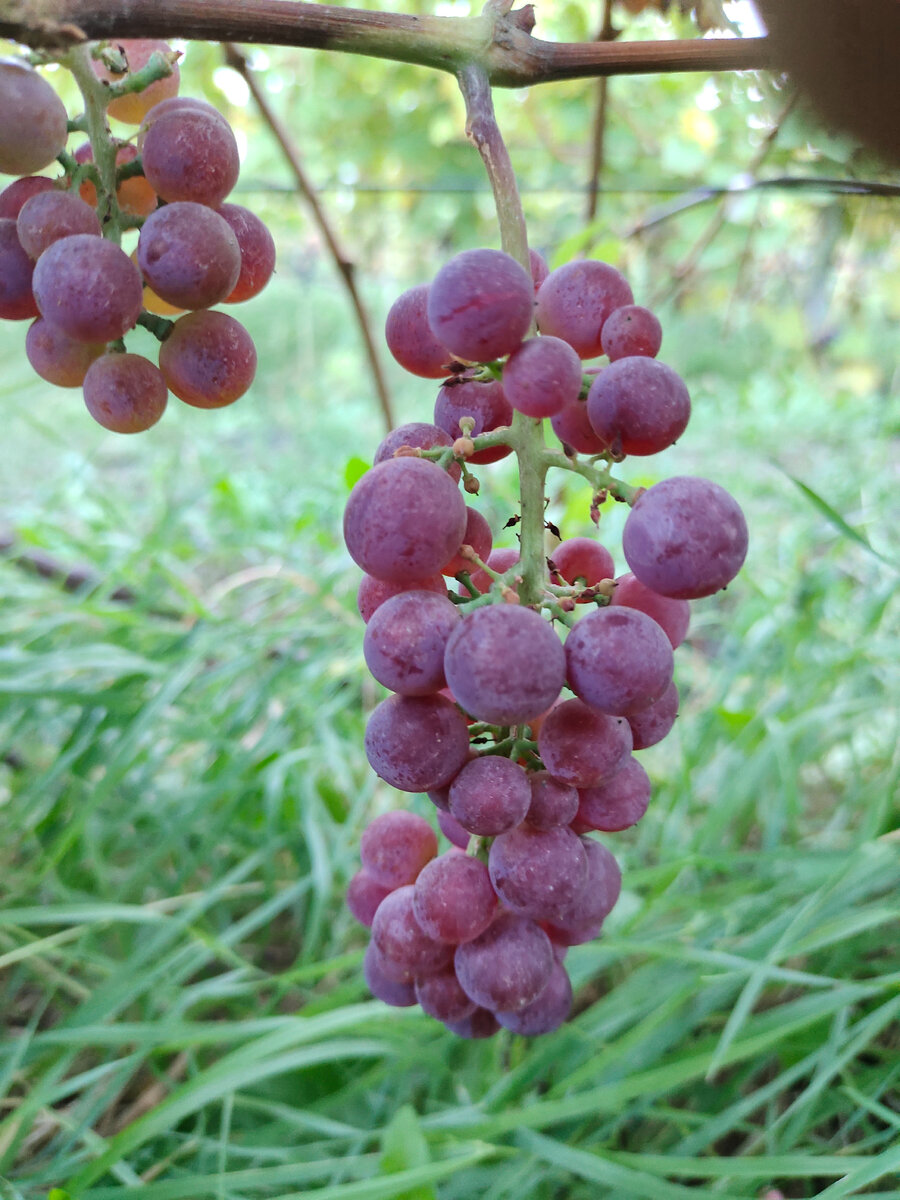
(184,788)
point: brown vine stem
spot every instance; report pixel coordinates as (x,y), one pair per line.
(607,33)
(238,61)
(500,41)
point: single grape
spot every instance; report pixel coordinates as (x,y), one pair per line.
(404,519)
(396,846)
(499,560)
(542,376)
(134,195)
(35,125)
(410,338)
(685,537)
(581,746)
(652,724)
(373,592)
(581,560)
(539,268)
(486,403)
(189,255)
(638,406)
(134,106)
(595,901)
(17,301)
(380,984)
(575,300)
(538,873)
(208,359)
(15,194)
(406,639)
(672,615)
(617,803)
(478,536)
(490,795)
(454,900)
(56,357)
(190,154)
(125,392)
(417,743)
(175,104)
(257,248)
(441,996)
(552,801)
(364,894)
(419,435)
(505,664)
(507,966)
(401,940)
(51,215)
(545,1013)
(480,304)
(89,287)
(451,829)
(572,427)
(618,660)
(481,1024)
(631,330)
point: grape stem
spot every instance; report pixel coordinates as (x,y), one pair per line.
(103,147)
(601,480)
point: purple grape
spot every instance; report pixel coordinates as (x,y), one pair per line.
(454,900)
(189,255)
(480,304)
(538,873)
(685,537)
(552,801)
(618,660)
(595,902)
(51,215)
(16,193)
(189,154)
(581,559)
(673,616)
(173,104)
(478,536)
(364,894)
(617,803)
(505,664)
(452,830)
(208,359)
(547,1012)
(507,966)
(490,795)
(486,403)
(396,846)
(89,288)
(441,996)
(257,248)
(575,300)
(17,301)
(631,330)
(573,429)
(481,1024)
(125,392)
(419,435)
(372,592)
(404,519)
(380,984)
(581,746)
(417,743)
(542,377)
(539,268)
(56,357)
(638,406)
(35,124)
(410,338)
(399,938)
(652,724)
(406,639)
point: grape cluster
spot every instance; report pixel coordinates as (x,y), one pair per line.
(524,742)
(61,264)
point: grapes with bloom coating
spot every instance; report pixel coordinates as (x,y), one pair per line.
(411,339)
(452,830)
(478,536)
(490,795)
(573,428)
(189,154)
(134,106)
(189,255)
(406,639)
(685,537)
(56,357)
(17,301)
(652,724)
(454,900)
(480,303)
(617,803)
(538,873)
(545,1013)
(505,664)
(373,592)
(481,1024)
(485,403)
(629,330)
(581,746)
(542,376)
(552,801)
(638,406)
(35,124)
(404,519)
(51,215)
(15,194)
(507,966)
(208,359)
(257,247)
(595,901)
(396,846)
(399,937)
(673,616)
(582,559)
(89,287)
(618,660)
(125,393)
(176,104)
(390,991)
(364,894)
(575,300)
(420,435)
(442,997)
(417,743)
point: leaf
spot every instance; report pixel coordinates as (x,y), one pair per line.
(836,519)
(403,1147)
(354,470)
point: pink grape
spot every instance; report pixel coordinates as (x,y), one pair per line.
(417,743)
(364,894)
(396,846)
(51,215)
(56,357)
(552,801)
(672,615)
(402,941)
(442,997)
(573,428)
(208,359)
(542,376)
(617,803)
(486,403)
(454,900)
(418,435)
(372,592)
(16,193)
(581,746)
(490,795)
(410,338)
(17,301)
(89,287)
(618,660)
(133,106)
(406,639)
(596,900)
(189,255)
(539,268)
(652,724)
(257,250)
(190,154)
(499,560)
(547,1011)
(507,966)
(582,559)
(125,393)
(477,535)
(480,304)
(631,330)
(480,1024)
(381,985)
(575,300)
(538,873)
(134,195)
(35,124)
(452,830)
(638,406)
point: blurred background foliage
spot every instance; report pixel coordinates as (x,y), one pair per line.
(182,783)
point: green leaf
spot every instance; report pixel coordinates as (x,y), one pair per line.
(58,1194)
(354,470)
(404,1147)
(832,515)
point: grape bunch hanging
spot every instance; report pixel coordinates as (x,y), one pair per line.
(62,265)
(518,710)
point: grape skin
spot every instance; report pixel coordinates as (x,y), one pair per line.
(190,154)
(552,801)
(451,828)
(189,255)
(35,124)
(617,803)
(454,900)
(364,894)
(134,195)
(542,376)
(410,338)
(17,301)
(499,560)
(490,795)
(673,616)
(441,996)
(390,991)
(507,966)
(396,846)
(582,558)
(406,639)
(125,393)
(51,215)
(257,250)
(481,1024)
(399,938)
(417,743)
(486,403)
(478,536)
(654,723)
(208,359)
(419,435)
(581,923)
(15,194)
(538,873)
(631,330)
(89,287)
(572,427)
(638,406)
(372,592)
(54,356)
(546,1012)
(480,304)
(581,746)
(575,300)
(618,660)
